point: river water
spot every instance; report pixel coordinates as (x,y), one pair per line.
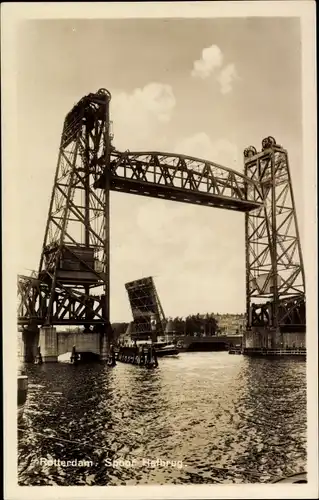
(198,418)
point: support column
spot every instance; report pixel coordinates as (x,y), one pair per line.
(104,347)
(48,344)
(278,339)
(30,337)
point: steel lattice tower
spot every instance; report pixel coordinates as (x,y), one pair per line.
(275,281)
(74,262)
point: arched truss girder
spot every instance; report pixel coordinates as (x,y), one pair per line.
(182,178)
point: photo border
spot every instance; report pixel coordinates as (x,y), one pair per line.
(12,15)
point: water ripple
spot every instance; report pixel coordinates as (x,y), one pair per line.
(216,418)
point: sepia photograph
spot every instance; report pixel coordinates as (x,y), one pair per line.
(161,245)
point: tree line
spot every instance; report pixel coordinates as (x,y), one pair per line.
(194,324)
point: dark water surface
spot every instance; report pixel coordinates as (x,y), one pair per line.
(221,418)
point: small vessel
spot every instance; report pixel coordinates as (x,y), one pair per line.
(22,393)
(236,349)
(300,478)
(163,349)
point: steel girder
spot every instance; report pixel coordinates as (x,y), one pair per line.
(274,265)
(181,178)
(69,306)
(28,299)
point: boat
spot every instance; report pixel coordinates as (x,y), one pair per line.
(22,394)
(300,478)
(163,349)
(235,350)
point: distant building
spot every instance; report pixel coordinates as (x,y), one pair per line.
(231,324)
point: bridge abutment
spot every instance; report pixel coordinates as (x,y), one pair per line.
(273,339)
(87,342)
(294,339)
(84,342)
(53,343)
(30,337)
(48,343)
(104,348)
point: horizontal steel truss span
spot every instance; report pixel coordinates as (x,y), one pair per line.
(181,178)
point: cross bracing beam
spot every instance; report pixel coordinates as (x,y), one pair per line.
(70,306)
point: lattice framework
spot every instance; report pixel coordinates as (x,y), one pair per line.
(275,281)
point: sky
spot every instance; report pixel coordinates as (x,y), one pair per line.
(204,87)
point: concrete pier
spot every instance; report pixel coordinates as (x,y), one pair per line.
(87,344)
(265,340)
(104,347)
(48,343)
(294,339)
(51,343)
(30,337)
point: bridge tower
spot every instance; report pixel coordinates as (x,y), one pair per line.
(148,315)
(72,284)
(275,280)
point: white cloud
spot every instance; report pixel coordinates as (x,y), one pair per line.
(136,115)
(200,145)
(226,78)
(211,64)
(211,59)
